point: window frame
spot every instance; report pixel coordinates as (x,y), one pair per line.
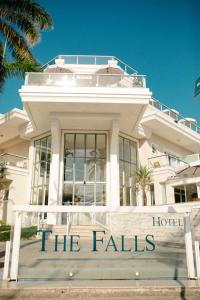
(130,139)
(62,163)
(36,188)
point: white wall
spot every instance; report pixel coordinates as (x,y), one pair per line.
(21,149)
(159,176)
(17,192)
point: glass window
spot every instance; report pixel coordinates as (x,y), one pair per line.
(79,145)
(127,171)
(90,145)
(152,192)
(41,170)
(84,167)
(90,170)
(100,145)
(179,194)
(185,193)
(69,146)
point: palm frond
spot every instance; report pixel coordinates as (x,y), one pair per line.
(143,176)
(16,42)
(20,67)
(30,9)
(27,27)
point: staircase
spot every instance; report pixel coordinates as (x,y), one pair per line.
(85,231)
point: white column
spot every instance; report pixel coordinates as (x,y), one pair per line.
(6,261)
(30,167)
(54,168)
(198,189)
(16,246)
(114,166)
(197,258)
(189,246)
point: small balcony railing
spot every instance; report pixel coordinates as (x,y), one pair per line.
(166,161)
(85,80)
(173,114)
(91,60)
(8,159)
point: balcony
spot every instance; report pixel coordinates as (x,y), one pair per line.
(175,116)
(11,160)
(85,80)
(166,161)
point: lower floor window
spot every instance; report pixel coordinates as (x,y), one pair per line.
(84,169)
(127,171)
(152,193)
(185,193)
(41,171)
(84,194)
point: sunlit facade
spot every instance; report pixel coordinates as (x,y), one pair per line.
(88,124)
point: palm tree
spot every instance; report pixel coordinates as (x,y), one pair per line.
(20,24)
(143,178)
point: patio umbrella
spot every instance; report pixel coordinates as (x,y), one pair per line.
(109,80)
(57,70)
(193,171)
(110,70)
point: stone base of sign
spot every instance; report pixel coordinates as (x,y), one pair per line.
(102,290)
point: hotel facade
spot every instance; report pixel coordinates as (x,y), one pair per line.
(88,124)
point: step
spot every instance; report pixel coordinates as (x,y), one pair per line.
(113,293)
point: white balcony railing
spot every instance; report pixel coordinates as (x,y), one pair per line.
(166,161)
(85,80)
(191,158)
(8,159)
(91,60)
(173,114)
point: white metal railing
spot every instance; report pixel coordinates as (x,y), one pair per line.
(85,80)
(166,160)
(191,158)
(175,115)
(92,60)
(8,159)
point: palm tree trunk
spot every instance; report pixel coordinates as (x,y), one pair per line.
(144,196)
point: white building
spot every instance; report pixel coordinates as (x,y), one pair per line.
(88,123)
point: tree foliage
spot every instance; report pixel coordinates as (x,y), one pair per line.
(21,23)
(143,178)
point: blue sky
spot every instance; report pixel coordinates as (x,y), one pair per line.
(159,38)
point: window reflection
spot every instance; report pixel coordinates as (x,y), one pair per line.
(127,171)
(84,167)
(41,171)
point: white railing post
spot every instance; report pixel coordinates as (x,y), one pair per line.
(197,258)
(16,246)
(188,246)
(144,81)
(6,261)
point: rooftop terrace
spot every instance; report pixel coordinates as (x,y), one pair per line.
(101,72)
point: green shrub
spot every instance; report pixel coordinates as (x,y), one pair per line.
(28,232)
(2,223)
(5,228)
(4,236)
